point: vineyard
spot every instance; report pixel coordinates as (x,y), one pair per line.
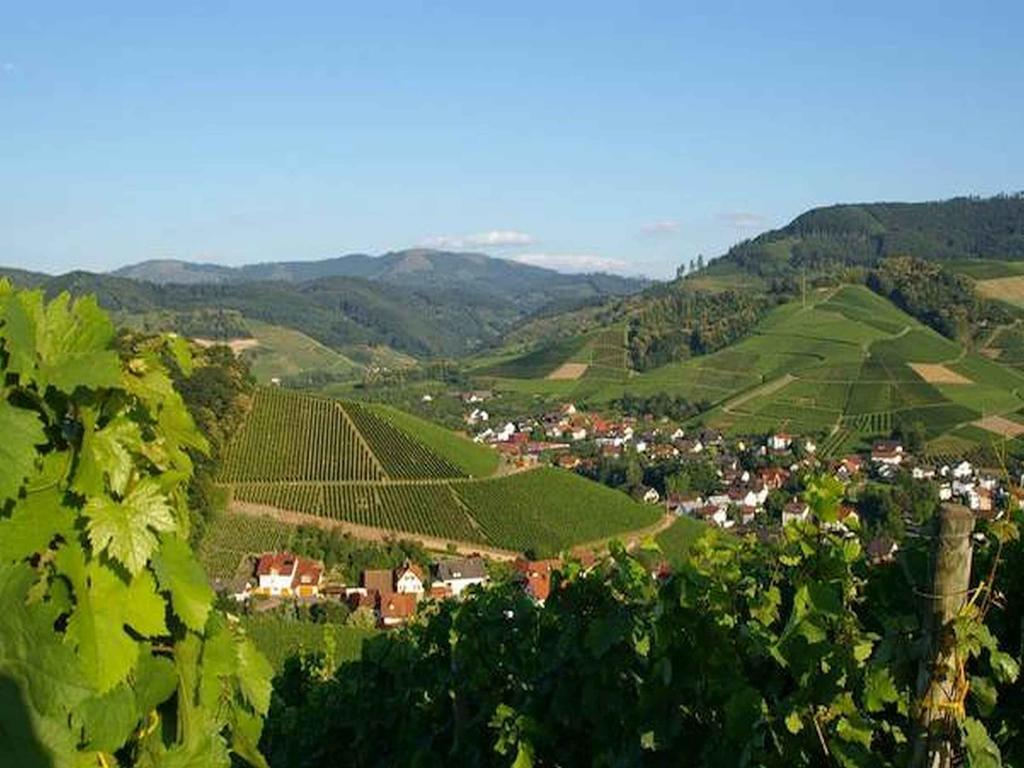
(234,537)
(289,437)
(365,466)
(401,455)
(280,638)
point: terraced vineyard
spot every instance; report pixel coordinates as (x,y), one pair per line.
(403,484)
(399,454)
(294,437)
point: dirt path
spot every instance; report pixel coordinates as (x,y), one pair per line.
(371,534)
(631,539)
(762,389)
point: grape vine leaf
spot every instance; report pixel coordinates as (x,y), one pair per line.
(181,576)
(75,346)
(879,689)
(33,524)
(31,655)
(107,452)
(22,431)
(108,719)
(254,675)
(125,529)
(20,313)
(983,752)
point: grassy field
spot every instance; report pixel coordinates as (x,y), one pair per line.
(1009,289)
(676,541)
(377,467)
(548,510)
(283,352)
(280,638)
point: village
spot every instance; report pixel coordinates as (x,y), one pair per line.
(384,598)
(746,482)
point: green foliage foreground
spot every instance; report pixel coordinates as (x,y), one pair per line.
(110,652)
(750,654)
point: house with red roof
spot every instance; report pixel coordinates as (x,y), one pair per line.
(282,574)
(395,609)
(535,576)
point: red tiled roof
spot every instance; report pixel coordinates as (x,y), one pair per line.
(397,606)
(281,563)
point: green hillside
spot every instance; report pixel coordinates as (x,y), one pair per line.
(473,459)
(826,238)
(838,366)
(376,467)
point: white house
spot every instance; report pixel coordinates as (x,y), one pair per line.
(458,574)
(409,580)
(963,470)
(716,515)
(887,452)
(651,496)
(477,415)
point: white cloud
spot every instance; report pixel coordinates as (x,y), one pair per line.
(495,238)
(571,262)
(743,219)
(661,227)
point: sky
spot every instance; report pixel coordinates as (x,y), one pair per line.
(627,137)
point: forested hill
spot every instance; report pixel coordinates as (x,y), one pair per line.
(335,311)
(826,238)
(426,304)
(526,286)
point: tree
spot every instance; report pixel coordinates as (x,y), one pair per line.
(110,649)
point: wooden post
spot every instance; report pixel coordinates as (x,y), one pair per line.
(940,680)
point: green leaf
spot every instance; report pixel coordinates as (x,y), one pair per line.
(1004,666)
(793,722)
(125,529)
(31,653)
(155,680)
(208,750)
(183,577)
(879,689)
(984,693)
(20,314)
(855,728)
(35,521)
(245,738)
(254,676)
(145,610)
(75,346)
(96,627)
(107,453)
(22,431)
(982,751)
(109,720)
(179,349)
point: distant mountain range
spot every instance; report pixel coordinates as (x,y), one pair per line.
(422,302)
(417,268)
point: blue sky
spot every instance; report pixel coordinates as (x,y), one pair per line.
(627,136)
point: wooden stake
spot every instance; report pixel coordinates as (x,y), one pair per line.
(941,684)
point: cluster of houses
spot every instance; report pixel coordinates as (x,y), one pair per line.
(392,595)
